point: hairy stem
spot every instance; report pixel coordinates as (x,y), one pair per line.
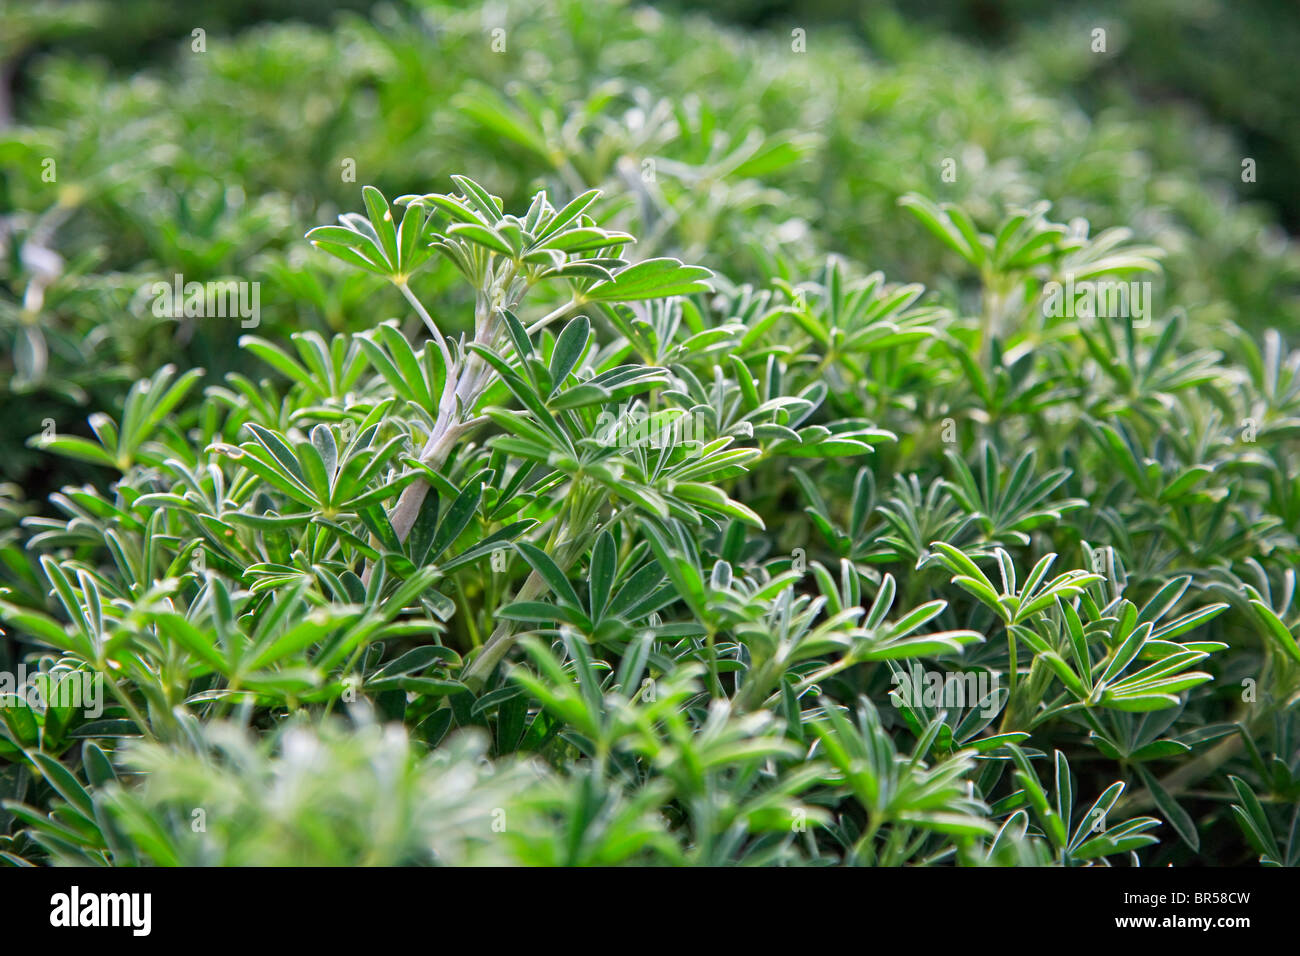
(550,317)
(433,329)
(502,639)
(579,512)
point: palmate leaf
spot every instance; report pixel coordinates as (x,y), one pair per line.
(1094,835)
(607,615)
(1258,830)
(840,440)
(949,225)
(850,318)
(377,244)
(120,445)
(957,721)
(1009,503)
(302,473)
(881,640)
(897,790)
(1025,239)
(545,244)
(324,369)
(417,377)
(1012,603)
(1115,681)
(651,279)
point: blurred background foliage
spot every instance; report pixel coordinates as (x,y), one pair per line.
(169,161)
(1229,61)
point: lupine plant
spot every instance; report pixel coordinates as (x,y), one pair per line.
(647,514)
(525,538)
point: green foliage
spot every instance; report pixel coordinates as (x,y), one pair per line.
(613,497)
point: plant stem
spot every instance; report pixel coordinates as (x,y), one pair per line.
(126,703)
(464,383)
(579,512)
(428,321)
(502,639)
(550,317)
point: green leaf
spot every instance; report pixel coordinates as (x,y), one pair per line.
(62,780)
(651,279)
(569,347)
(550,572)
(457,519)
(1175,815)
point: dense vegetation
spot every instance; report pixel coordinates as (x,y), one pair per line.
(651,416)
